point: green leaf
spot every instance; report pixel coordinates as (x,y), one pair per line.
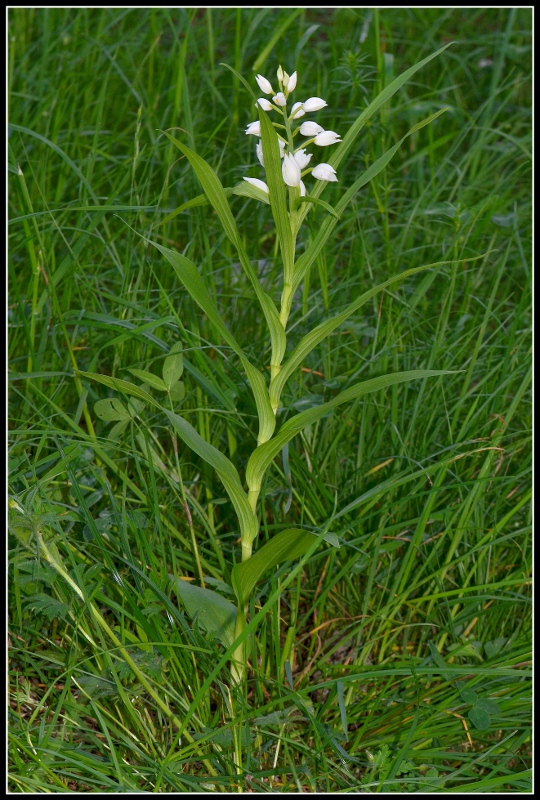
(214,613)
(262,457)
(468,695)
(177,392)
(190,277)
(149,378)
(173,366)
(493,648)
(307,258)
(121,386)
(322,203)
(479,718)
(490,706)
(226,471)
(284,546)
(278,192)
(318,334)
(111,410)
(218,199)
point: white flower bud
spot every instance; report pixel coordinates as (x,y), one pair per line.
(314,104)
(291,85)
(280,99)
(324,172)
(265,104)
(254,128)
(302,159)
(279,74)
(291,171)
(264,85)
(310,129)
(259,184)
(285,80)
(327,137)
(297,111)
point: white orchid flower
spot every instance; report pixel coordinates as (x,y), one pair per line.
(265,104)
(264,85)
(310,129)
(324,172)
(297,111)
(280,99)
(302,158)
(291,171)
(254,128)
(314,104)
(325,138)
(291,83)
(259,184)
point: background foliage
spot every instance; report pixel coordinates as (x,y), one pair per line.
(398,662)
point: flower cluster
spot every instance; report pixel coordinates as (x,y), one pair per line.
(295,159)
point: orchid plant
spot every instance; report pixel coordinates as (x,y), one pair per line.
(281,151)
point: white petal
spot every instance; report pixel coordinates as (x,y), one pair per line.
(259,152)
(259,184)
(310,129)
(254,128)
(302,158)
(265,104)
(291,86)
(327,137)
(264,85)
(297,111)
(302,189)
(314,104)
(291,171)
(280,99)
(324,172)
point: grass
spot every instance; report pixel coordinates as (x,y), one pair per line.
(398,663)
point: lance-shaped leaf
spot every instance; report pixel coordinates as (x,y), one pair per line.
(121,386)
(318,334)
(348,140)
(263,456)
(214,613)
(173,366)
(190,277)
(150,379)
(226,471)
(216,194)
(277,190)
(306,259)
(284,546)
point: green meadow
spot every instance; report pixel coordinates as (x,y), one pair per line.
(394,657)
